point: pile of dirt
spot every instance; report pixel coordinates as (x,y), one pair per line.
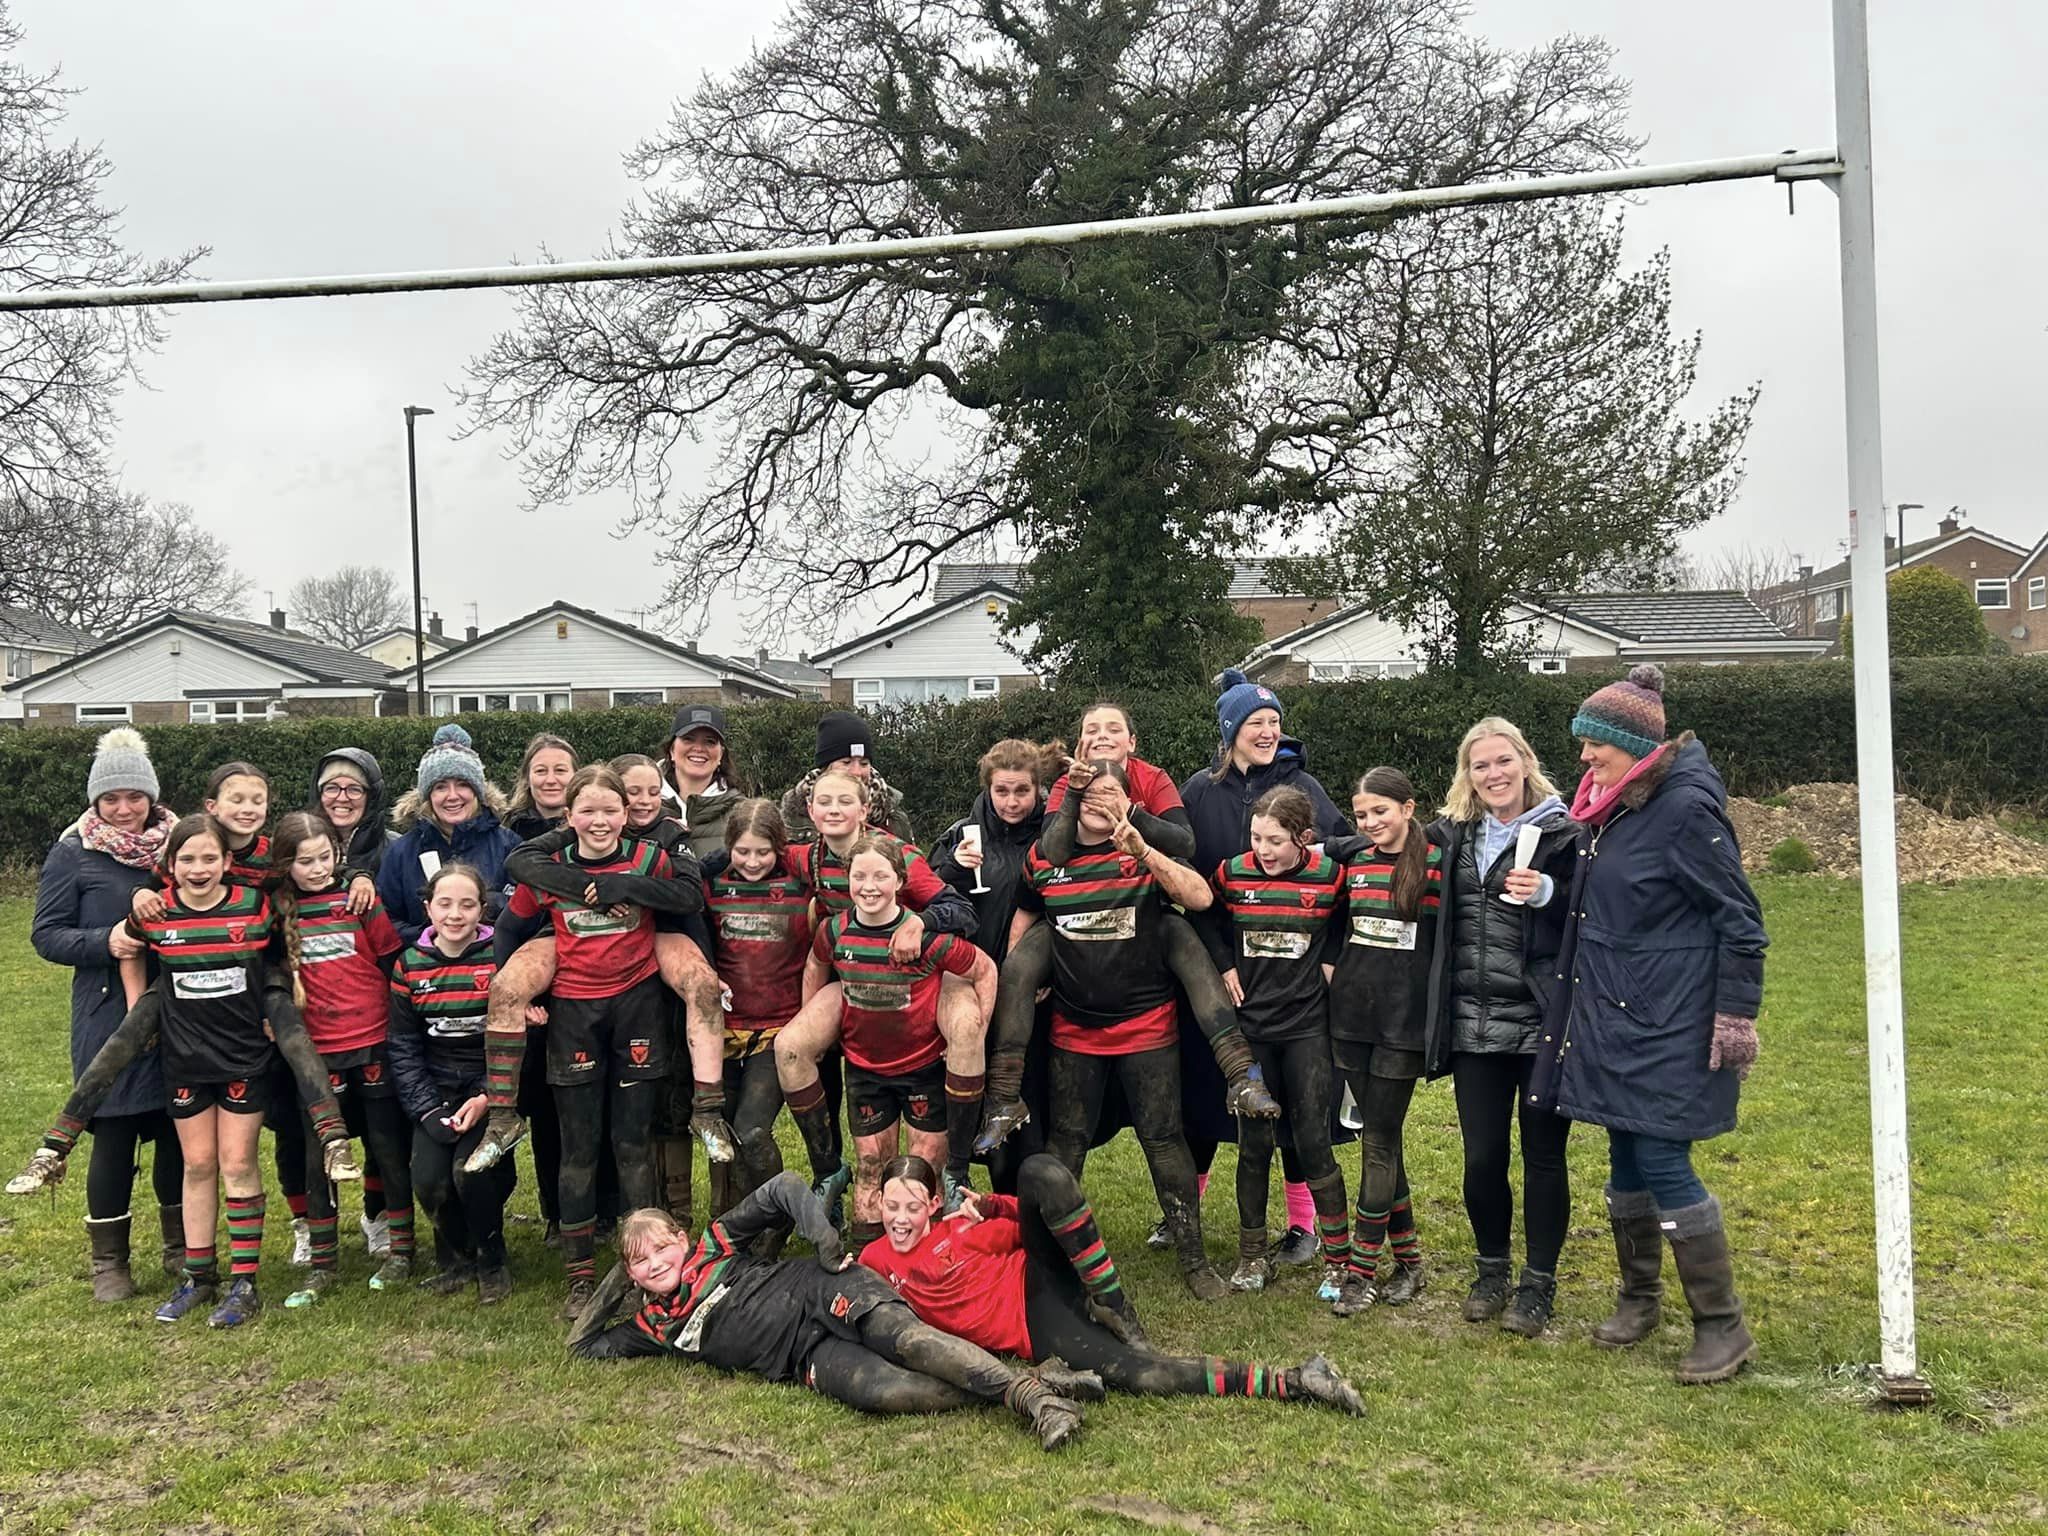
(1932,847)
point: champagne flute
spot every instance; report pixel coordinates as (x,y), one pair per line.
(970,837)
(1525,855)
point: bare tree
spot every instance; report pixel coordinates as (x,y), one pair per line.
(348,606)
(1127,414)
(1543,436)
(60,372)
(1751,569)
(113,561)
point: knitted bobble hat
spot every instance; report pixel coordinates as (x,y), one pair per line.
(121,761)
(1628,714)
(451,757)
(1239,700)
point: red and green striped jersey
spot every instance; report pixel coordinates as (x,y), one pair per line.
(1380,993)
(1112,991)
(891,1020)
(249,866)
(760,934)
(211,982)
(441,1001)
(1277,927)
(342,963)
(598,954)
(824,872)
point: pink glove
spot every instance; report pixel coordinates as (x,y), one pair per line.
(1734,1045)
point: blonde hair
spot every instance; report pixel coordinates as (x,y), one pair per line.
(1462,802)
(860,786)
(644,1229)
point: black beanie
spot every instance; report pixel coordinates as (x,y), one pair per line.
(842,734)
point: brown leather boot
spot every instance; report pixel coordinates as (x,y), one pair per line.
(108,1238)
(171,1222)
(1721,1343)
(1639,1251)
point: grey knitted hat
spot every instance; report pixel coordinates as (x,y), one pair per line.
(121,761)
(451,757)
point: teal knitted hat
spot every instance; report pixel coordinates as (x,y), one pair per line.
(1628,714)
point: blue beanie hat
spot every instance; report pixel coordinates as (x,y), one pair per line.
(451,757)
(1241,699)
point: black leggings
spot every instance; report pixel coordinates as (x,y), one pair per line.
(583,1110)
(1151,1084)
(1301,1074)
(1489,1089)
(468,1209)
(754,1095)
(1056,1306)
(543,1123)
(1382,1105)
(387,1134)
(116,1146)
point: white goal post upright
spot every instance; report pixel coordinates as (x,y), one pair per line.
(1847,167)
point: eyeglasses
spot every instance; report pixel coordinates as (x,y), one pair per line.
(341,789)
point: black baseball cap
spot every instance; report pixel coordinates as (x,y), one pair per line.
(699,717)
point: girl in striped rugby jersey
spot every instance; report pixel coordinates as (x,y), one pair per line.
(1379,1010)
(890,1033)
(760,910)
(1269,935)
(440,995)
(340,966)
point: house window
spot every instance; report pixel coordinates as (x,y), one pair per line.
(1993,594)
(1827,606)
(637,698)
(983,687)
(19,662)
(1342,671)
(867,690)
(102,712)
(2037,592)
(1549,666)
(228,711)
(482,703)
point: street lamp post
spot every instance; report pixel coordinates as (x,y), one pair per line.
(412,482)
(1902,508)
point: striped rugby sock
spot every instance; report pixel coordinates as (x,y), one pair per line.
(245,1234)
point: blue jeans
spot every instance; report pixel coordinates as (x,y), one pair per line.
(1657,1164)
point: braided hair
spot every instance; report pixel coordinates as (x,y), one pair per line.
(294,830)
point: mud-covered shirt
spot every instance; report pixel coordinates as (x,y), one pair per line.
(760,936)
(342,963)
(891,1020)
(1380,992)
(438,1006)
(1274,931)
(824,873)
(1112,991)
(210,977)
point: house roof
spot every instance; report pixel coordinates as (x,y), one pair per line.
(315,661)
(1837,575)
(404,631)
(791,670)
(26,628)
(710,661)
(1700,620)
(1247,580)
(938,610)
(1669,618)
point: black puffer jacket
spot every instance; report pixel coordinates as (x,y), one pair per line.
(1003,847)
(1494,962)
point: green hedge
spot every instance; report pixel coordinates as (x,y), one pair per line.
(1968,736)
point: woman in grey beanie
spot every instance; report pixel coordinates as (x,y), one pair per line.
(88,880)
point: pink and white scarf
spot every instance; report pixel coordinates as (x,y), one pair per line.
(137,850)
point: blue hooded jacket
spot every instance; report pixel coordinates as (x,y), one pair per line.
(481,841)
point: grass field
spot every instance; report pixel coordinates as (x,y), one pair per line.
(405,1413)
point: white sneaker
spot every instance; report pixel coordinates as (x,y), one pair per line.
(376,1236)
(302,1243)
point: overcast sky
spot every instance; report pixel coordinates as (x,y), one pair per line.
(377,136)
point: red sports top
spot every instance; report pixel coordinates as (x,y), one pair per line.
(824,872)
(965,1278)
(1148,787)
(761,932)
(343,964)
(891,1022)
(596,954)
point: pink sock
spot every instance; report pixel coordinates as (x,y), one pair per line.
(1301,1208)
(1202,1185)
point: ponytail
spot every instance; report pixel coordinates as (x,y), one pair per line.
(1411,864)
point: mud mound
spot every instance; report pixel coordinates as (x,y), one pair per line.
(1932,847)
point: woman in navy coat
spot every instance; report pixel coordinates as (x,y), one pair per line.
(1654,1022)
(90,876)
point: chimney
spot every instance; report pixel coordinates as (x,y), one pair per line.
(277,618)
(761,658)
(469,634)
(434,626)
(1949,524)
(690,646)
(1890,543)
(1805,573)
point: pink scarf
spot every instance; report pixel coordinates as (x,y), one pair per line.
(137,850)
(1591,805)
